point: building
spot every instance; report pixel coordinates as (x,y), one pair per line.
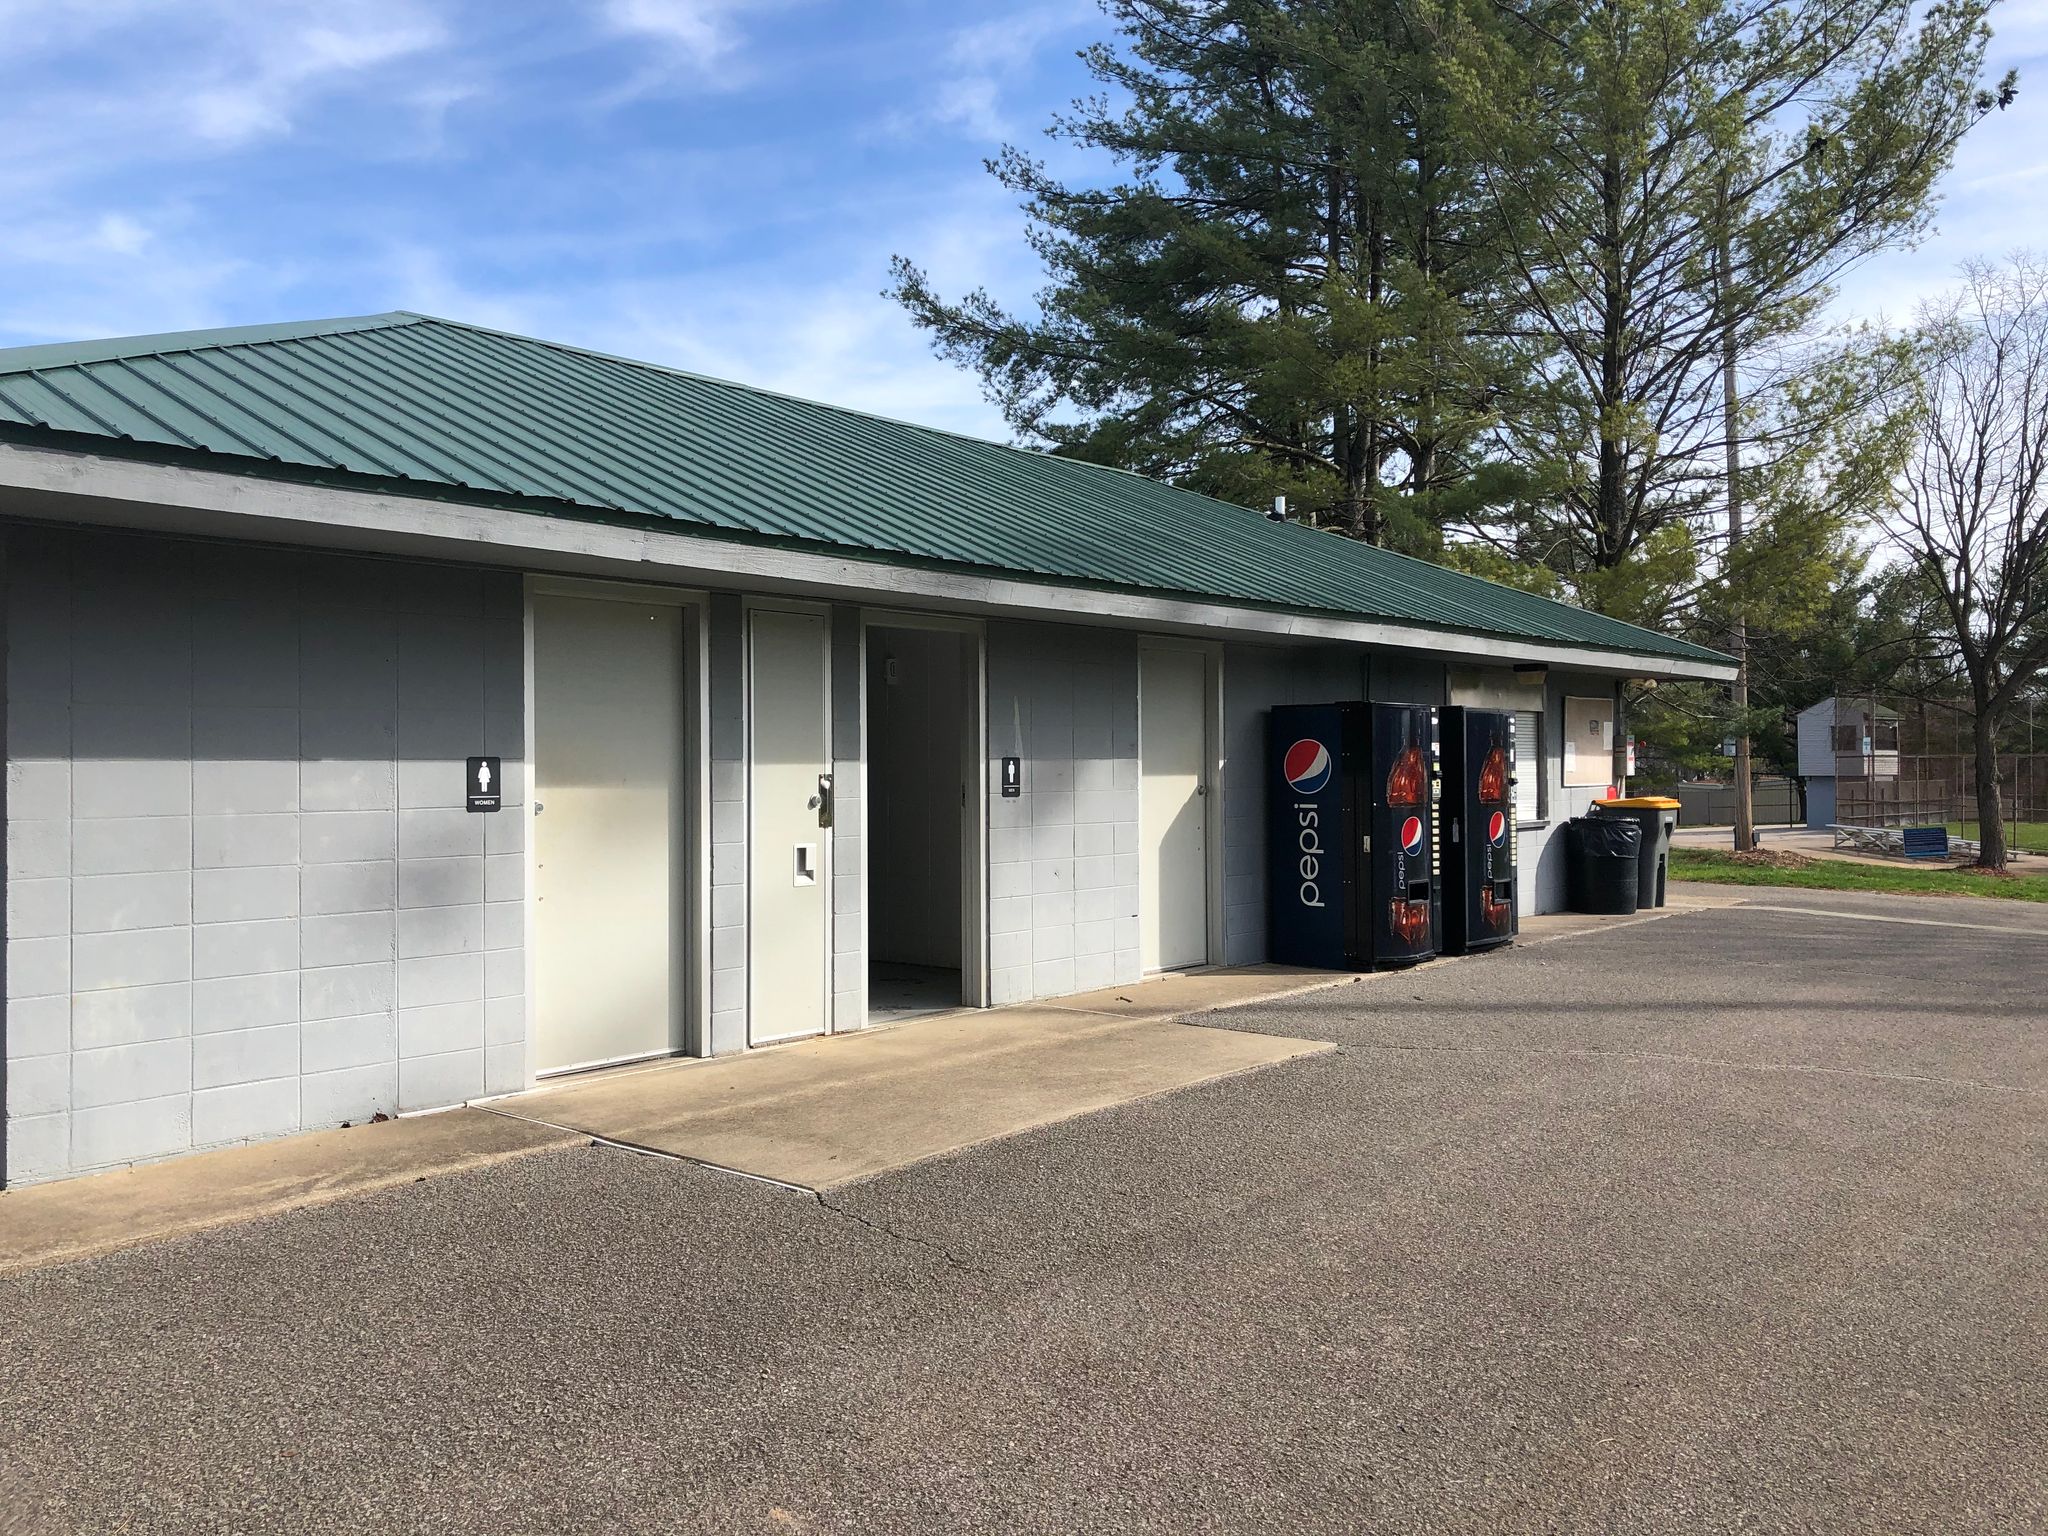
(797,718)
(1846,742)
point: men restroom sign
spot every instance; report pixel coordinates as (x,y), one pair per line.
(486,784)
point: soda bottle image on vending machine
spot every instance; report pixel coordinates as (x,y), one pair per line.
(1478,828)
(1351,878)
(1403,847)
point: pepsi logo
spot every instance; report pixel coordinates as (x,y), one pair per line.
(1306,766)
(1411,835)
(1496,829)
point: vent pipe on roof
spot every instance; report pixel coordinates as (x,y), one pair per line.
(1279,512)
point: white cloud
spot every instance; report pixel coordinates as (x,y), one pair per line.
(423,280)
(121,235)
(981,63)
(2019,29)
(1984,199)
(817,326)
(972,103)
(701,29)
(116,276)
(124,119)
(700,41)
(107,87)
(1009,42)
(294,62)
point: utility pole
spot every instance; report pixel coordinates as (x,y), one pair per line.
(1738,636)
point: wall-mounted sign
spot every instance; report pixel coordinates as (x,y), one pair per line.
(1013,777)
(486,784)
(1588,742)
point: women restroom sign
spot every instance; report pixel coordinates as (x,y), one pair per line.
(486,784)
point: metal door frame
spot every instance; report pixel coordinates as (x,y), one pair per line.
(1214,764)
(693,1027)
(974,934)
(828,862)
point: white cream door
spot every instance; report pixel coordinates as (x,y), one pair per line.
(608,830)
(789,799)
(1173,836)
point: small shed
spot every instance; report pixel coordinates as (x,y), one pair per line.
(1844,738)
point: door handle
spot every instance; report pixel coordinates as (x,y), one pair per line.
(805,871)
(823,800)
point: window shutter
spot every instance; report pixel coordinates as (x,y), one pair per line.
(1528,765)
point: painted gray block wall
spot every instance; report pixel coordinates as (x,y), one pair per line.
(1063,855)
(1540,851)
(1401,679)
(1255,678)
(244,897)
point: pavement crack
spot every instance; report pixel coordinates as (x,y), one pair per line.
(883,1227)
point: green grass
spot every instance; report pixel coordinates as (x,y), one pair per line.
(1721,869)
(2030,835)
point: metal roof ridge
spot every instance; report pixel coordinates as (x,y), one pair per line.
(65,354)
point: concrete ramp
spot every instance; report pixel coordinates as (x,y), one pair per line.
(826,1111)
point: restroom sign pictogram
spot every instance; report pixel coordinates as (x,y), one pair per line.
(486,784)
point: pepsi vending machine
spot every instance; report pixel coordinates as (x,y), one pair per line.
(1351,881)
(1478,828)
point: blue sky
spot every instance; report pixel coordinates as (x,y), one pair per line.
(717,184)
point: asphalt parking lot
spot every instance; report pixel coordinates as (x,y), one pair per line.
(1736,1220)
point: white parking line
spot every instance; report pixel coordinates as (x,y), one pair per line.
(1876,917)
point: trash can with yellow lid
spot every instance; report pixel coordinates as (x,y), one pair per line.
(1657,815)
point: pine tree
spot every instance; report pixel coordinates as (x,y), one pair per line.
(1282,293)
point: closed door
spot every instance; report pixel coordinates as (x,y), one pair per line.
(1173,836)
(788,793)
(608,830)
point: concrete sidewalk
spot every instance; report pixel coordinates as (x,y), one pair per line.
(75,1218)
(814,1114)
(827,1111)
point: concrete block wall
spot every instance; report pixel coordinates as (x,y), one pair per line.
(1540,850)
(1395,678)
(244,897)
(1257,677)
(1063,855)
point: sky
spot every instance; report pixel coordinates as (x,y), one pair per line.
(714,184)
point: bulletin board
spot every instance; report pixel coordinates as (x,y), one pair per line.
(1588,742)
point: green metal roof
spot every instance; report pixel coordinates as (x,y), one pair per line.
(456,409)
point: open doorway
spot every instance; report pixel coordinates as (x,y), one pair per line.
(923,713)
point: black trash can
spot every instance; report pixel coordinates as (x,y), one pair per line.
(1657,815)
(1603,855)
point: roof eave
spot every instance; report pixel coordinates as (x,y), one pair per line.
(143,491)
